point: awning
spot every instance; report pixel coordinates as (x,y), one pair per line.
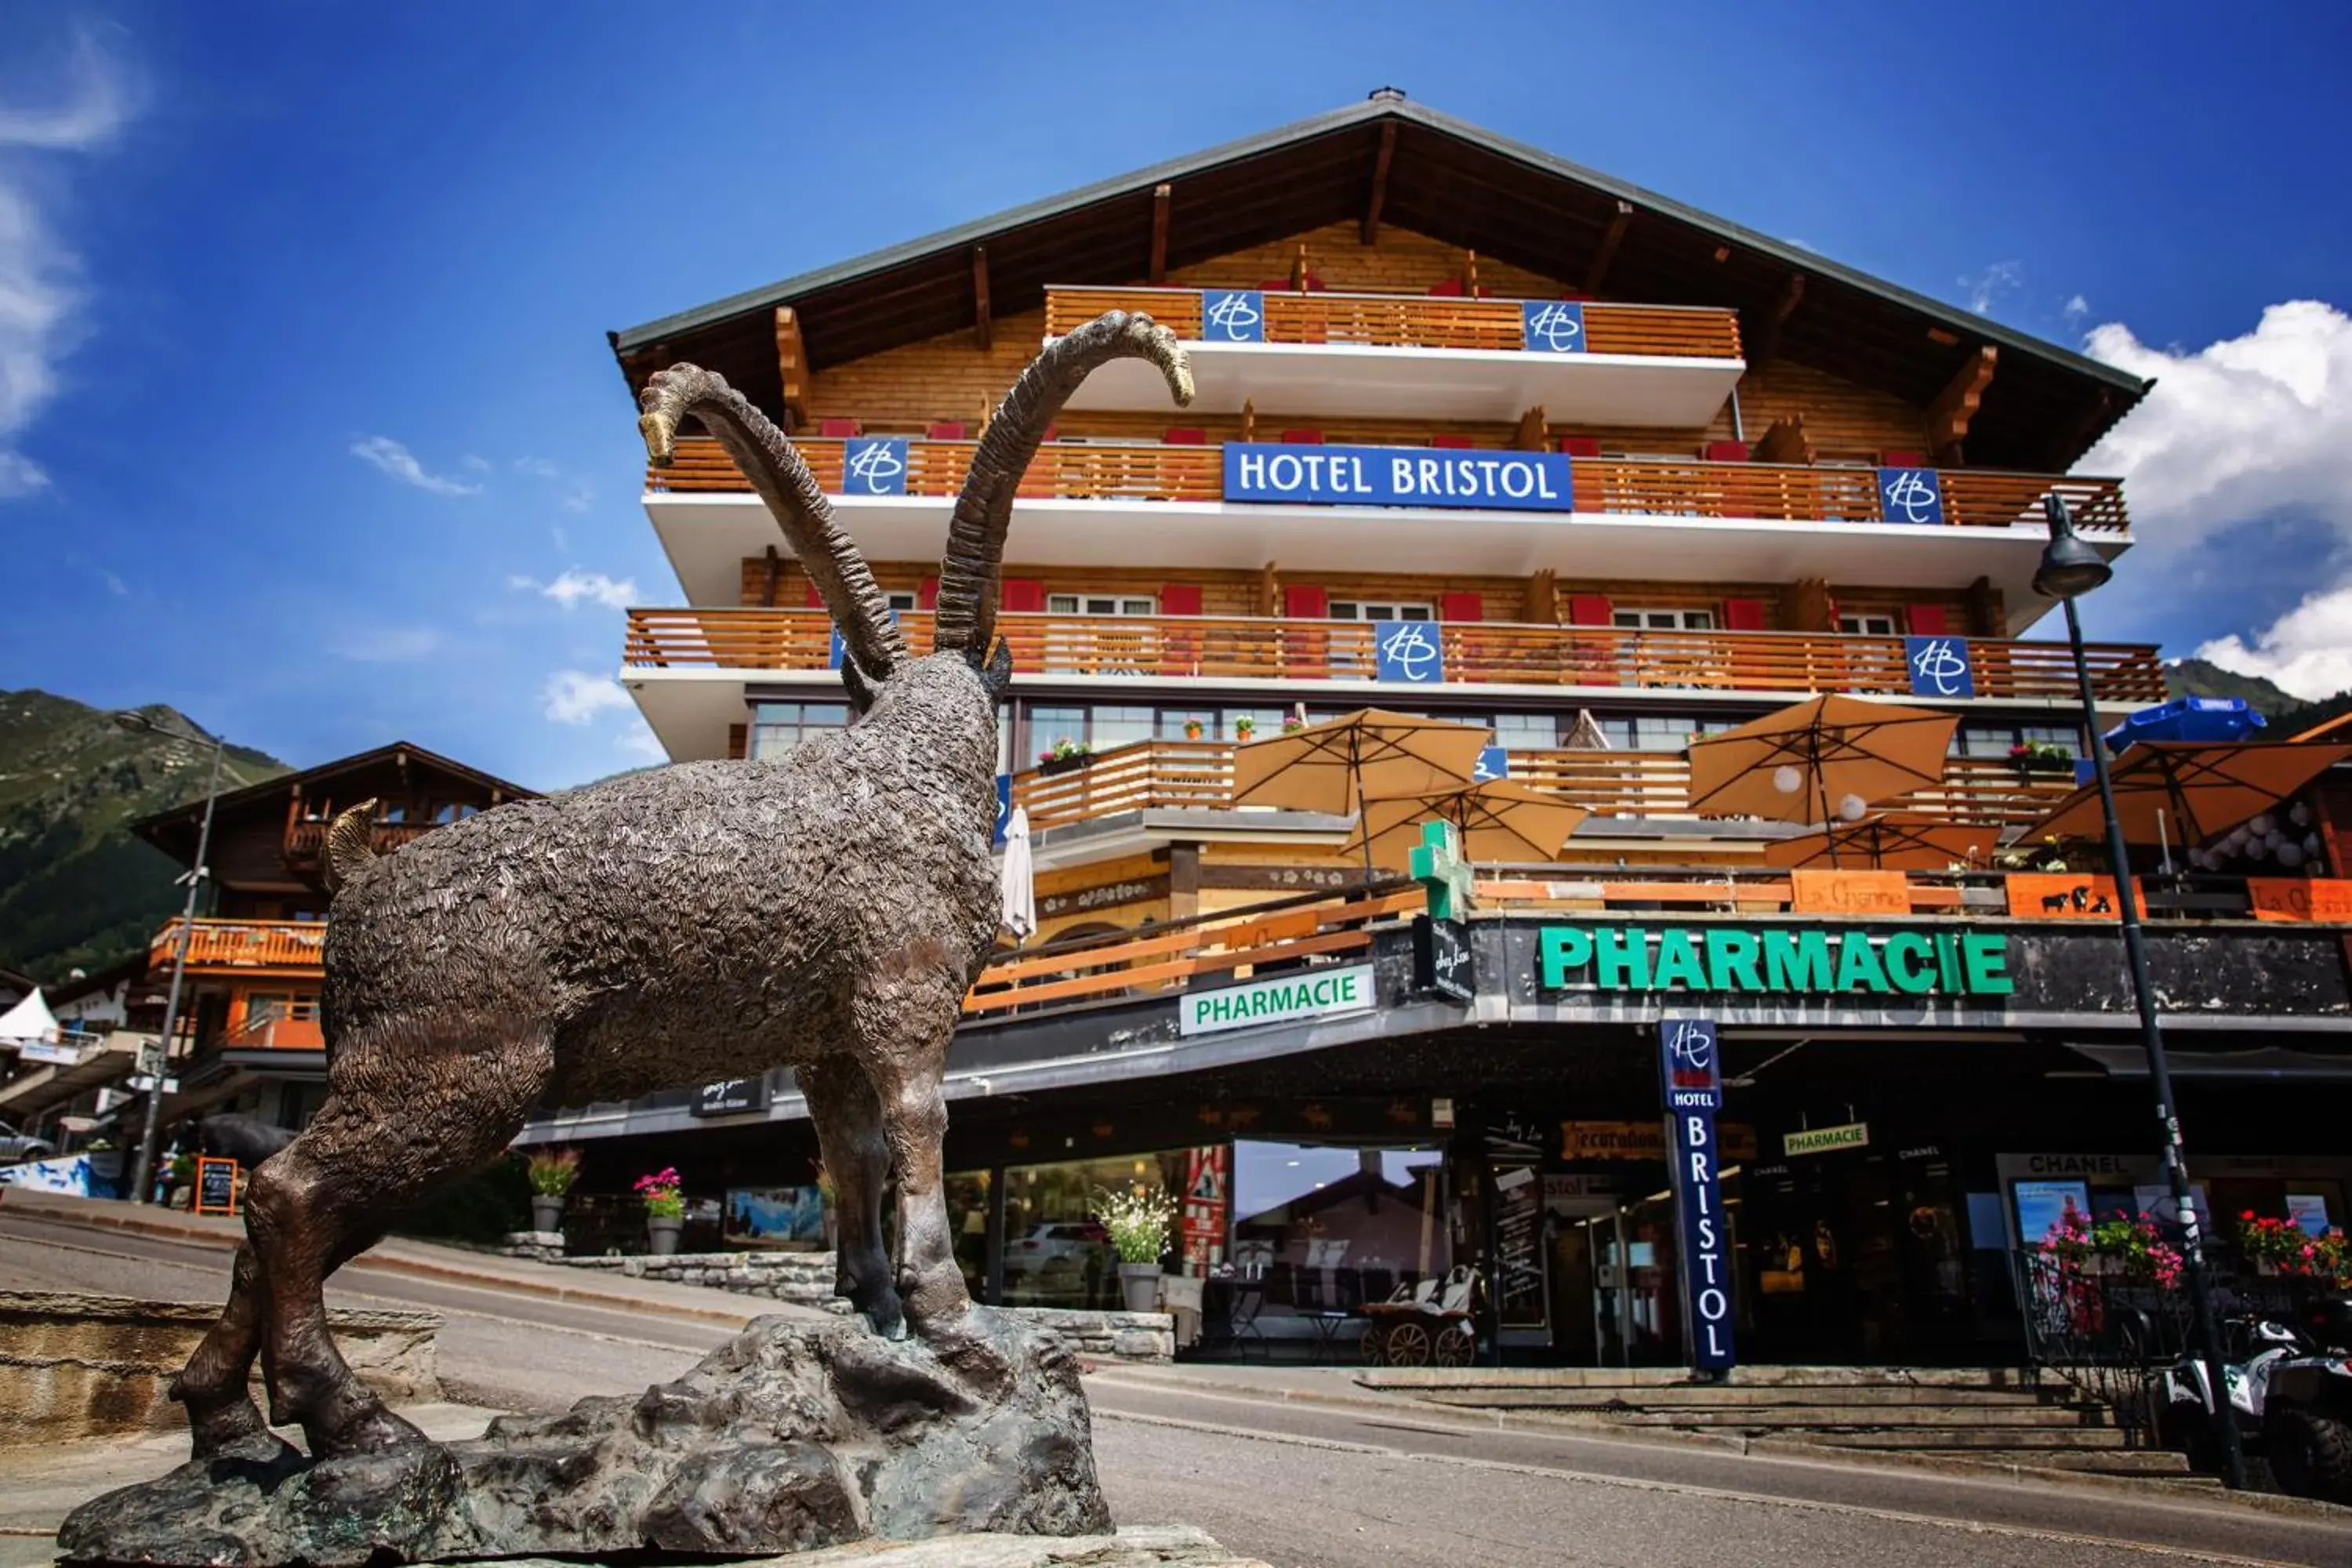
(35,1091)
(2266,1064)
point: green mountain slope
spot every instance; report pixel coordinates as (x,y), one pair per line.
(76,889)
(2195,677)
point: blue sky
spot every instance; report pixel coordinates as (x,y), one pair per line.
(309,427)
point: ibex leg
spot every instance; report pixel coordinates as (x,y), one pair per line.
(915,1120)
(849,1135)
(221,1413)
(414,1104)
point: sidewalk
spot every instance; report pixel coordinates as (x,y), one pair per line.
(416,1260)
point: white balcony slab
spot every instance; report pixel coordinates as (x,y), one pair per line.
(1368,381)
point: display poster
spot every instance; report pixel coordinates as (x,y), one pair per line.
(773,1216)
(1520,1294)
(1208,1206)
(2041,1204)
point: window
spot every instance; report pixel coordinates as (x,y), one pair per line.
(450,811)
(777,727)
(1102,605)
(1978,740)
(1873,625)
(1642,620)
(1656,731)
(392,811)
(1527,731)
(1048,725)
(1108,727)
(899,600)
(1329,1228)
(1379,610)
(1173,720)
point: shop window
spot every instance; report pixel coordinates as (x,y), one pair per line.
(1872,624)
(1328,1229)
(777,727)
(1636,618)
(1056,1252)
(1380,610)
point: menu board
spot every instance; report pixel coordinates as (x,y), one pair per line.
(1519,1283)
(216,1186)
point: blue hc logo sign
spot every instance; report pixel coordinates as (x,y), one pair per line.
(875,465)
(1552,326)
(1910,496)
(1407,651)
(1004,806)
(1493,762)
(1939,667)
(1232,316)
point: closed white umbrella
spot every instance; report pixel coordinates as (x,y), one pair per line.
(32,1020)
(1020,882)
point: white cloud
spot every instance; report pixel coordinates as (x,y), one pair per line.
(2306,652)
(2242,428)
(538,467)
(575,586)
(114,583)
(478,465)
(2075,307)
(639,741)
(1985,287)
(386,645)
(41,290)
(399,462)
(580,497)
(576,696)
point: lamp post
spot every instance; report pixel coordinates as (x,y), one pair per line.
(143,1169)
(2069,569)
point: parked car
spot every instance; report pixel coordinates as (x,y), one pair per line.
(1068,1239)
(16,1145)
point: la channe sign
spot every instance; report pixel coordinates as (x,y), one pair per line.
(1774,961)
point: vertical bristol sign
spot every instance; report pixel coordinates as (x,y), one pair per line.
(1692,1073)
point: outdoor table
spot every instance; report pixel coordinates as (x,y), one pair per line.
(1326,1325)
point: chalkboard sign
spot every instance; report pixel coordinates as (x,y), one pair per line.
(1519,1293)
(216,1186)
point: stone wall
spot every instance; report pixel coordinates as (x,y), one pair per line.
(805,1279)
(75,1366)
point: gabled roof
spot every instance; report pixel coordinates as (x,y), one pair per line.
(166,828)
(1448,179)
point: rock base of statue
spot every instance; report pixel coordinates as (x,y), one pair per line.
(794,1435)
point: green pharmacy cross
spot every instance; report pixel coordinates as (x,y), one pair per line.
(1439,867)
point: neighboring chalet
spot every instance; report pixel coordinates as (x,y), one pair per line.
(248,1037)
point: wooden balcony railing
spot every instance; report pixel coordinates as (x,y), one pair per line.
(1475,653)
(1198,776)
(1417,320)
(305,841)
(241,945)
(1619,486)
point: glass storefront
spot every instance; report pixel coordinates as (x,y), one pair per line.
(1328,1229)
(1056,1252)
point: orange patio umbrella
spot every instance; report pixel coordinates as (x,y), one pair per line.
(2200,789)
(1890,840)
(1336,766)
(1498,820)
(1819,760)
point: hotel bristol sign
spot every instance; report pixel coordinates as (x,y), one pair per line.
(1300,474)
(1784,961)
(1690,1067)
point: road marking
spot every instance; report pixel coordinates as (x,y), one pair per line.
(1715,1494)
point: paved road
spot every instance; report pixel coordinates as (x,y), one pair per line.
(1318,1486)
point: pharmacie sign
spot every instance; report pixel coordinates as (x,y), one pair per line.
(1304,475)
(1777,961)
(1315,993)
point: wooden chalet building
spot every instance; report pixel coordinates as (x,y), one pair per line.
(1605,463)
(248,1037)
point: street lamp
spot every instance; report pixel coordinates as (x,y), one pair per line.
(2069,569)
(143,1171)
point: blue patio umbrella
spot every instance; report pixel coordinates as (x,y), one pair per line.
(2188,719)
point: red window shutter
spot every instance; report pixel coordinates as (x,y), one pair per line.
(1180,599)
(1743,615)
(1461,608)
(1927,620)
(1587,610)
(1305,602)
(1023,595)
(816,600)
(927,593)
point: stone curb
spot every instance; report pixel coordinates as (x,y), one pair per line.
(2170,1489)
(518,1283)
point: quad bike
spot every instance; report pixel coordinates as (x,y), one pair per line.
(2290,1387)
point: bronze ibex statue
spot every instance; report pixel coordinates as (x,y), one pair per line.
(827,908)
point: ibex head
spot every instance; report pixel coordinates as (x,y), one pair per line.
(873,649)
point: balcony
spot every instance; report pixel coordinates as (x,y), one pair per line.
(242,947)
(678,660)
(1086,504)
(1197,775)
(1362,355)
(306,842)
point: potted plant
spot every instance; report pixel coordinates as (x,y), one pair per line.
(1063,755)
(1192,730)
(551,1172)
(2040,757)
(665,1195)
(2281,1247)
(1244,729)
(1137,1222)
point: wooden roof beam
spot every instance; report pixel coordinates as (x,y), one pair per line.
(1160,195)
(1380,161)
(1767,336)
(982,328)
(1598,272)
(791,367)
(1948,415)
